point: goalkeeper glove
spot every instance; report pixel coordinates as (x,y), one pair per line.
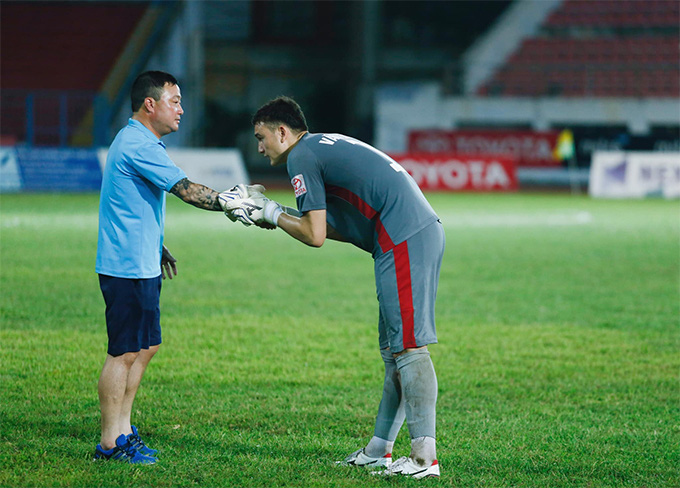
(271,211)
(238,192)
(255,209)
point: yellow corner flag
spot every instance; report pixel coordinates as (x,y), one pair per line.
(564,149)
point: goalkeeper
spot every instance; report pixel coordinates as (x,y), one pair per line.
(349,191)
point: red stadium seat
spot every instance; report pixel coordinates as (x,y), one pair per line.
(615,59)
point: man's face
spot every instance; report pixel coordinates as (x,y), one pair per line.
(269,143)
(168,110)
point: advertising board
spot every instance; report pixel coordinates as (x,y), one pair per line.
(58,169)
(10,176)
(75,170)
(219,169)
(527,148)
(460,173)
(616,174)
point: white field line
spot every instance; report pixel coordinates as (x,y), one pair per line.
(190,220)
(216,220)
(539,219)
(48,221)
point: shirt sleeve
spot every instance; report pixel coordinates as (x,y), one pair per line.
(306,176)
(154,164)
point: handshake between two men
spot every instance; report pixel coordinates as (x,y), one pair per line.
(247,204)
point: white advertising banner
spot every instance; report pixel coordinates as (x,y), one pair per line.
(615,174)
(220,169)
(10,177)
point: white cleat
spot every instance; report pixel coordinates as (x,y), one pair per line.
(359,458)
(405,466)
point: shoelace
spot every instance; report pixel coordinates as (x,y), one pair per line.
(129,449)
(353,457)
(136,442)
(398,463)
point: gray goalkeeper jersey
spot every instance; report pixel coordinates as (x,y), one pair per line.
(368,197)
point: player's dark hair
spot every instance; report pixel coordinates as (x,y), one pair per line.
(281,110)
(149,84)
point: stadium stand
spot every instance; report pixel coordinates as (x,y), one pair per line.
(55,58)
(616,13)
(597,48)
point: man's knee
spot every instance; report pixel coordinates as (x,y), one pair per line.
(421,349)
(126,359)
(387,355)
(145,355)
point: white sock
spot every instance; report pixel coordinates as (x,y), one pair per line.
(391,412)
(419,392)
(423,450)
(378,447)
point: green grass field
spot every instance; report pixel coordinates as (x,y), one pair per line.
(558,365)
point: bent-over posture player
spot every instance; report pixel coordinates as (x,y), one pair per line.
(348,191)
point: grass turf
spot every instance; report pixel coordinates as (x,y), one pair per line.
(558,321)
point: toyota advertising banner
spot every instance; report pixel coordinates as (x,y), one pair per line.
(527,148)
(460,173)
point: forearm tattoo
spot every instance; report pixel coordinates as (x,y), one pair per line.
(196,194)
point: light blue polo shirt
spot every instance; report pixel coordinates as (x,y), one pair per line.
(137,175)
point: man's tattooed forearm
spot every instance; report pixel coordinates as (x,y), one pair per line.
(181,187)
(196,194)
(208,199)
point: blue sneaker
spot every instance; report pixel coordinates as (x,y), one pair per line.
(123,452)
(138,444)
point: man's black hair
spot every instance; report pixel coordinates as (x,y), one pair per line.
(281,110)
(149,84)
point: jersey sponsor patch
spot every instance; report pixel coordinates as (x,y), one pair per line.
(298,183)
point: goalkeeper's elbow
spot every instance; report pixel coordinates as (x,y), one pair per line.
(316,242)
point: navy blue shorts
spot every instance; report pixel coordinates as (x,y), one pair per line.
(133,314)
